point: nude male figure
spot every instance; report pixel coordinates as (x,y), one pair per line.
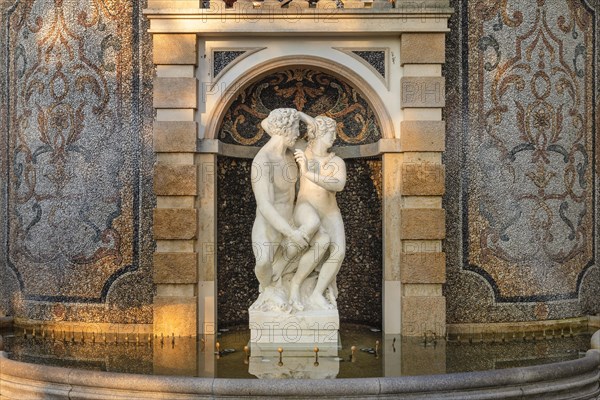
(274,175)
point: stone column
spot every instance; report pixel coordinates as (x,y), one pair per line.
(421,176)
(175,185)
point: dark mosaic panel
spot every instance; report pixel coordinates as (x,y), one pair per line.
(78,186)
(522,168)
(310,91)
(375,58)
(360,277)
(222,59)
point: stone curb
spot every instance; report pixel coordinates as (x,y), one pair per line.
(576,379)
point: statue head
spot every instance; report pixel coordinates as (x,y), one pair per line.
(324,128)
(283,122)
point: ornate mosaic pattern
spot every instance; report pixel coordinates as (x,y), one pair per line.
(530,192)
(308,90)
(73,153)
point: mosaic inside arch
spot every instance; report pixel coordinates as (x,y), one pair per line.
(309,90)
(73,151)
(530,196)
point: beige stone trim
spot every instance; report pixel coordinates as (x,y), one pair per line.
(175,315)
(264,68)
(174,48)
(392,198)
(175,268)
(423,92)
(518,328)
(423,179)
(422,223)
(175,136)
(177,246)
(423,135)
(175,201)
(177,114)
(223,21)
(423,314)
(175,71)
(207,215)
(423,157)
(422,48)
(174,290)
(421,202)
(175,223)
(175,93)
(173,4)
(422,289)
(423,70)
(89,328)
(422,114)
(423,267)
(175,180)
(422,246)
(175,158)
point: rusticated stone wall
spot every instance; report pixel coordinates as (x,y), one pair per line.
(76,162)
(523,123)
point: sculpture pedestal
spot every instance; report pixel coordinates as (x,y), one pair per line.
(295,364)
(303,327)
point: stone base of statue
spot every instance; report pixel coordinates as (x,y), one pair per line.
(274,320)
(301,327)
(267,363)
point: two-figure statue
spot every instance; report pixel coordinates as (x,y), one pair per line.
(298,244)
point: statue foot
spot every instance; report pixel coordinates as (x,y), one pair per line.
(331,298)
(297,305)
(319,302)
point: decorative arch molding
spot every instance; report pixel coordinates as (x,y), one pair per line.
(266,67)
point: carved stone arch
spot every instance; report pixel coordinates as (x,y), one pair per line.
(267,67)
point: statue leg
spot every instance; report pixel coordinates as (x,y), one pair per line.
(308,262)
(264,241)
(330,268)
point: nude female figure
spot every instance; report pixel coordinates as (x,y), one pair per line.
(322,175)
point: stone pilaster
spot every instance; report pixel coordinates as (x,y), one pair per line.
(175,181)
(422,264)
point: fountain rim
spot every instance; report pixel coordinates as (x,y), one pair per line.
(577,376)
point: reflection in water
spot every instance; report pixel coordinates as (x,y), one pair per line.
(364,352)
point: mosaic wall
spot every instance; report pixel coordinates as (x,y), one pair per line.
(522,161)
(360,277)
(76,166)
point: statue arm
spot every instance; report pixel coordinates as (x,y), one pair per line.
(335,180)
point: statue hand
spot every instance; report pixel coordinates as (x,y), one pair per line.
(301,160)
(299,237)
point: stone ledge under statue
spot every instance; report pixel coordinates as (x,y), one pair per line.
(298,241)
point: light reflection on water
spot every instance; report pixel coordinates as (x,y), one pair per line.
(395,355)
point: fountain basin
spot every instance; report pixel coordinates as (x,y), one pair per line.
(575,379)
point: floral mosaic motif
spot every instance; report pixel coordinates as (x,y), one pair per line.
(311,91)
(531,149)
(71,174)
